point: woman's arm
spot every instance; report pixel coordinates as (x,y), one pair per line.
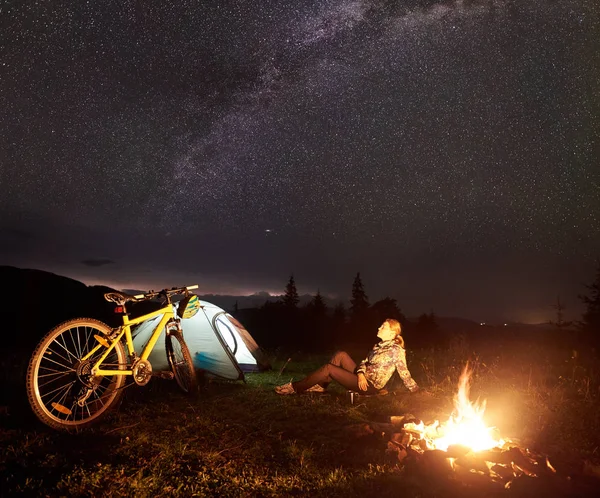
(363,385)
(362,367)
(361,372)
(402,369)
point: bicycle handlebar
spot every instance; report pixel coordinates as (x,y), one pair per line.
(165,292)
(120,298)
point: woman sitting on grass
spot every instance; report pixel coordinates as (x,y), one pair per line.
(370,377)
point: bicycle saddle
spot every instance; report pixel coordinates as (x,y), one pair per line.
(118,298)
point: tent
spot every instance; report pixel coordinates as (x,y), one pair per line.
(219,344)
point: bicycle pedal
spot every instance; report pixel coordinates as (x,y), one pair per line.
(164,375)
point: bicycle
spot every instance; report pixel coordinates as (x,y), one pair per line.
(78,370)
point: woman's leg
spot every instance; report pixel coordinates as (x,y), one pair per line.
(343,360)
(326,374)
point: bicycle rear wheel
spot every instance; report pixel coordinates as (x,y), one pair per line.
(61,391)
(181,363)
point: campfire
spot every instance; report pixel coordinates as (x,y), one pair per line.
(465,427)
(464,449)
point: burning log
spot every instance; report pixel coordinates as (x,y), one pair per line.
(395,452)
(402,438)
(473,462)
(401,420)
(502,471)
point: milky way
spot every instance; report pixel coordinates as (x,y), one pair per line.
(447,151)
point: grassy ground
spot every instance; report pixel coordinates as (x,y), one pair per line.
(243,440)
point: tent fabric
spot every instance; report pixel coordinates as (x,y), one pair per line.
(232,336)
(218,343)
(260,359)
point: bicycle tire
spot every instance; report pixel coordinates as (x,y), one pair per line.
(180,361)
(55,384)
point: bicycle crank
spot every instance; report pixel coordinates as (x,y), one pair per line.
(142,372)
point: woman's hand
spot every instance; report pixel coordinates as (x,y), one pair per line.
(362,382)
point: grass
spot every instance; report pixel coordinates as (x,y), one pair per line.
(241,439)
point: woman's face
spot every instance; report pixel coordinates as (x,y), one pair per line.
(385,333)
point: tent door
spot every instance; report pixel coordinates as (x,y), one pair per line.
(225,345)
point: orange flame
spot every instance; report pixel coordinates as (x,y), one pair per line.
(465,426)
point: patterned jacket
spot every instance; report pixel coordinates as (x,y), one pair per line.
(379,366)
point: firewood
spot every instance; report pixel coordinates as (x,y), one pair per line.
(472,461)
(403,438)
(506,473)
(414,451)
(496,456)
(396,452)
(413,428)
(403,419)
(482,482)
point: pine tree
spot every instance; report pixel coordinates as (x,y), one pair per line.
(360,301)
(290,298)
(560,323)
(387,308)
(590,325)
(318,305)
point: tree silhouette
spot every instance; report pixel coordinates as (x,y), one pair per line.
(359,302)
(316,331)
(360,330)
(317,305)
(590,325)
(560,323)
(290,298)
(387,308)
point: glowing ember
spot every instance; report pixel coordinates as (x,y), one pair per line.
(465,427)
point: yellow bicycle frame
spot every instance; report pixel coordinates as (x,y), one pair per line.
(168,313)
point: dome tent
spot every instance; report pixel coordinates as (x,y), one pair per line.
(218,343)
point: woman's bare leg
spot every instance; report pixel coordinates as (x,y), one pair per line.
(342,359)
(329,372)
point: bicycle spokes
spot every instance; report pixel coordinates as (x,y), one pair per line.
(64,389)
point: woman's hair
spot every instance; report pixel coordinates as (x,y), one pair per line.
(396,327)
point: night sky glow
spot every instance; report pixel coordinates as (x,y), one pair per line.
(449,151)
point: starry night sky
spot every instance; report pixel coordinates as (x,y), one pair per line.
(449,151)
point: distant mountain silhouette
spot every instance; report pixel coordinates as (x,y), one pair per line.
(34,301)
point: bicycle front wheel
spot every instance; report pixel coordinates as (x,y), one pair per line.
(181,363)
(61,390)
